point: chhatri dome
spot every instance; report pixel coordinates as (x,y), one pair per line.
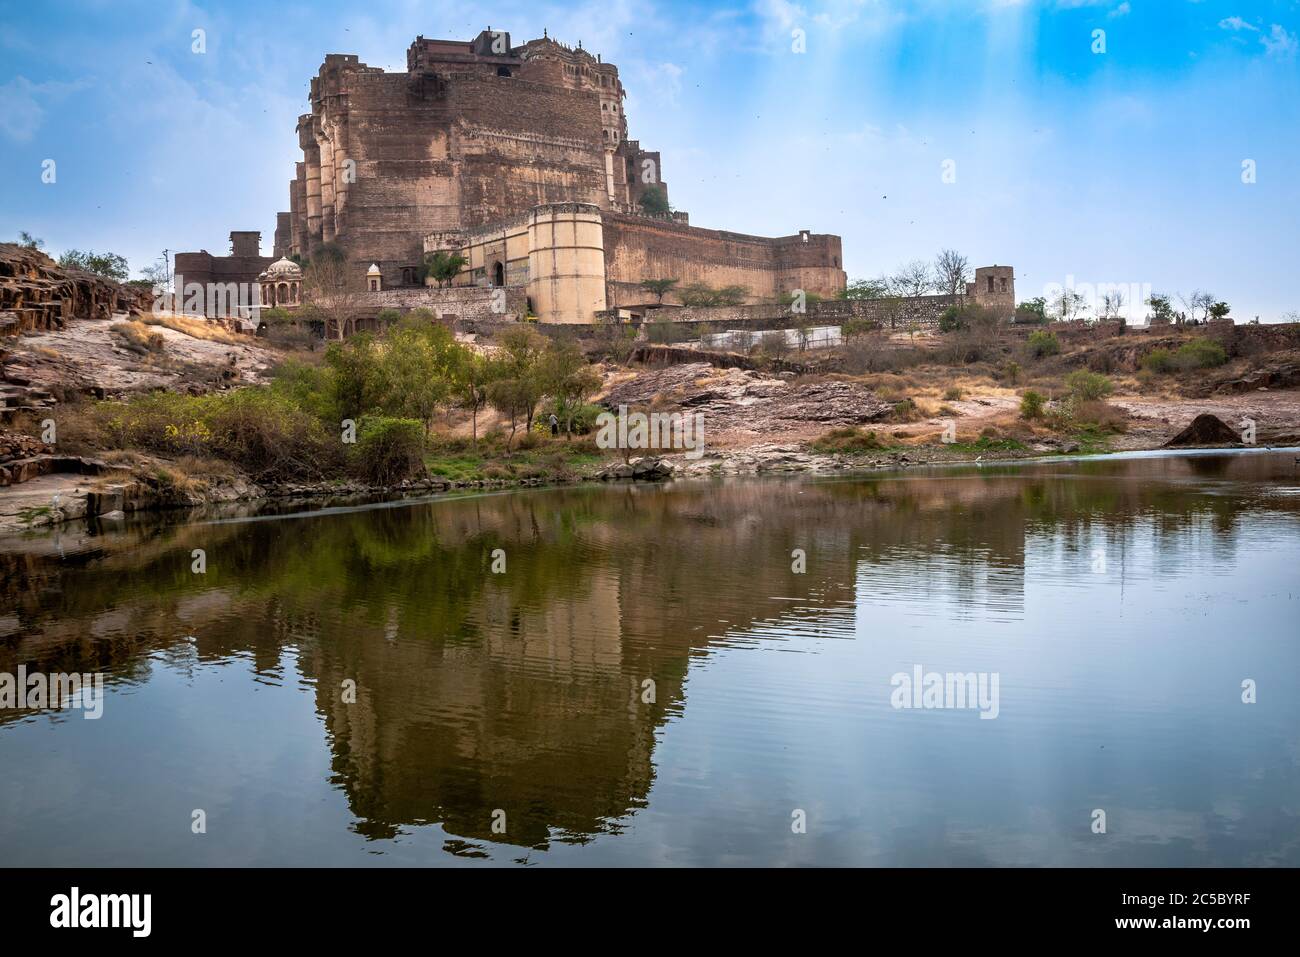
(283,269)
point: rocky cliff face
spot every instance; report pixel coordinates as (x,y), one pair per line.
(37,294)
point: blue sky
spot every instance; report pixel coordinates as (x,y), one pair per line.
(1122,166)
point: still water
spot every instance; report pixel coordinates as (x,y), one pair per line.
(650,681)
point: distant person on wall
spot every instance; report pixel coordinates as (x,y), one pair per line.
(555,425)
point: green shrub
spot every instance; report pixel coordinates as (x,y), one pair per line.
(1088,386)
(584,417)
(1032,404)
(1200,354)
(1041,343)
(853,328)
(1158,360)
(951,319)
(387,449)
(847,440)
(952,395)
(263,432)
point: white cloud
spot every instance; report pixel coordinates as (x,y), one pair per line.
(1279,43)
(1236,24)
(22,108)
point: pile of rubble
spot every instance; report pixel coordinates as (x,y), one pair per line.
(23,458)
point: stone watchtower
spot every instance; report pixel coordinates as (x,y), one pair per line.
(994,288)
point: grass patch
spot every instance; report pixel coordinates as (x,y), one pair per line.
(194,328)
(848,441)
(987,443)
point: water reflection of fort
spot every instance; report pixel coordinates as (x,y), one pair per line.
(522,691)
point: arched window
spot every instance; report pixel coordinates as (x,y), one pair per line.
(503,71)
(498,274)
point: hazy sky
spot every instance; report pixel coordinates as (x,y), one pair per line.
(1122,166)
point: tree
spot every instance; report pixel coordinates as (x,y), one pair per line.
(355,368)
(442,266)
(108,265)
(334,289)
(569,379)
(473,376)
(1220,310)
(514,399)
(521,353)
(700,294)
(865,289)
(655,201)
(158,274)
(1162,310)
(416,369)
(803,329)
(659,286)
(732,295)
(853,328)
(1067,305)
(28,241)
(1032,310)
(775,344)
(1112,302)
(912,280)
(1199,301)
(952,271)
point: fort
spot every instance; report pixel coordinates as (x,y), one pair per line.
(517,159)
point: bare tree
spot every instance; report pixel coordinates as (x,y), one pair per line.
(952,271)
(1068,305)
(912,280)
(1112,302)
(1199,301)
(335,290)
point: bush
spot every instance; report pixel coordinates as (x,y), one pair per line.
(257,429)
(1200,354)
(289,336)
(1158,360)
(388,450)
(951,319)
(847,440)
(906,411)
(853,328)
(584,417)
(1032,404)
(269,437)
(136,337)
(665,331)
(1041,343)
(952,395)
(1088,386)
(1099,416)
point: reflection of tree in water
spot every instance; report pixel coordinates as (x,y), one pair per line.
(521,691)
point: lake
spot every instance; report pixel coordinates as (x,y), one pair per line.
(729,672)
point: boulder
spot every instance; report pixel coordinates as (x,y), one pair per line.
(651,469)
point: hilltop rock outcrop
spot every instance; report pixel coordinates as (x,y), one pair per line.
(38,294)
